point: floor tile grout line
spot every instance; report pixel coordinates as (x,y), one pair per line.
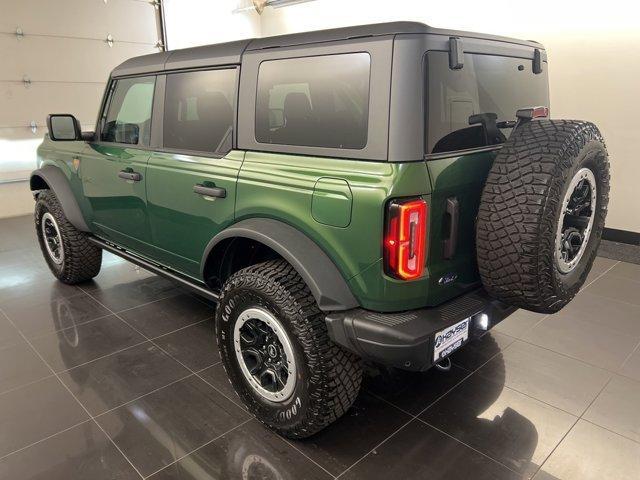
(137,306)
(292,445)
(24,385)
(609,430)
(611,299)
(378,445)
(197,374)
(48,437)
(43,334)
(415,417)
(184,327)
(571,428)
(592,365)
(155,390)
(469,446)
(133,400)
(169,355)
(471,372)
(78,401)
(419,413)
(599,276)
(84,364)
(636,349)
(235,402)
(547,316)
(513,389)
(182,457)
(146,340)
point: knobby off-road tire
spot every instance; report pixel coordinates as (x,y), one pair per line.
(326,378)
(80,259)
(522,207)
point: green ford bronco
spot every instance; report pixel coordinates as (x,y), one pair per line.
(379,193)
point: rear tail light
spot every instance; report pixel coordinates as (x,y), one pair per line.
(405,240)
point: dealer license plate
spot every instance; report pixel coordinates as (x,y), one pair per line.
(450,339)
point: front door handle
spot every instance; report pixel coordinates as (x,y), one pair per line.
(209,191)
(129,175)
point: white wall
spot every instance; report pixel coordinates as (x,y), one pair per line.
(594,61)
(190,23)
(64,53)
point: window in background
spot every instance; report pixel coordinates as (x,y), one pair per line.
(198,111)
(128,116)
(320,101)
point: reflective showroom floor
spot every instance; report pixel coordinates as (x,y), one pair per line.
(120,378)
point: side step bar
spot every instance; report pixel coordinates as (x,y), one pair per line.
(197,287)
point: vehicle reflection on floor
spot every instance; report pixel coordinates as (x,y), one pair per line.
(249,450)
(139,390)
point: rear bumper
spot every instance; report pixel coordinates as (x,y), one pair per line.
(406,340)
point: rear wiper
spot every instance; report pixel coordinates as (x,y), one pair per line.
(490,126)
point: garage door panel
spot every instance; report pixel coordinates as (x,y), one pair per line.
(63,59)
(18,147)
(22,105)
(126,20)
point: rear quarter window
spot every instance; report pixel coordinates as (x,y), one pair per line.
(319,101)
(485,84)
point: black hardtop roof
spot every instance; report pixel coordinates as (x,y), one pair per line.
(231,53)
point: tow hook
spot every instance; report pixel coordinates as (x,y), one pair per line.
(444,365)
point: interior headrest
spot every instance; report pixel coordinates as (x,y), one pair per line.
(296,106)
(212,105)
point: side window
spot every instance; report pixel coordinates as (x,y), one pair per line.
(198,111)
(320,101)
(127,115)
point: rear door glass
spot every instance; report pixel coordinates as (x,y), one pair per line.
(198,111)
(485,84)
(320,101)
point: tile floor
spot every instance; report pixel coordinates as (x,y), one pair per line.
(120,378)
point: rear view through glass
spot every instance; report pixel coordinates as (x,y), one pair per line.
(485,84)
(320,101)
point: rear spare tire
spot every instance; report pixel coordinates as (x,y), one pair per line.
(542,212)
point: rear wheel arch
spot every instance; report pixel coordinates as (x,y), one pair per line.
(270,239)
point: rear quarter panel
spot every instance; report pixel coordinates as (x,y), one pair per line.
(282,187)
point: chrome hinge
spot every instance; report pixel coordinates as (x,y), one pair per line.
(34,127)
(26,81)
(109,40)
(155,3)
(19,33)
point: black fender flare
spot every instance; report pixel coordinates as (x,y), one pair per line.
(326,283)
(55,180)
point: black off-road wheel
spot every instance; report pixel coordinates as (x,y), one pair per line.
(542,213)
(277,353)
(67,251)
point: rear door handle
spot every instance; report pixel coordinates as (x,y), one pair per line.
(209,191)
(129,175)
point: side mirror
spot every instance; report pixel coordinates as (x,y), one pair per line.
(63,127)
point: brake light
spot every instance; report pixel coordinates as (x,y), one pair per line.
(405,240)
(533,112)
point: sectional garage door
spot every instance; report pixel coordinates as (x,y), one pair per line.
(55,56)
